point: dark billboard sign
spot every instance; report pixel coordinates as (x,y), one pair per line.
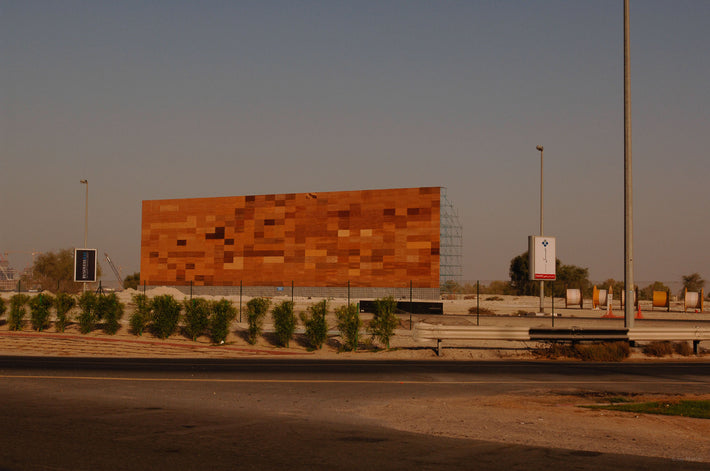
(413,307)
(85,265)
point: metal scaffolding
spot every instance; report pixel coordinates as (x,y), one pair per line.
(450,243)
(8,275)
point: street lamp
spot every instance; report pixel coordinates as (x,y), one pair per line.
(86,214)
(86,222)
(628,184)
(542,231)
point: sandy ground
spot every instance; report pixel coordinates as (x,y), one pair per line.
(543,417)
(551,418)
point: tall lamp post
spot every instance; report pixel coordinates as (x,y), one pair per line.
(86,220)
(542,231)
(86,215)
(628,187)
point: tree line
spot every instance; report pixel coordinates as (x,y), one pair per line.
(54,271)
(568,276)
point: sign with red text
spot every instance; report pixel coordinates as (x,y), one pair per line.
(542,258)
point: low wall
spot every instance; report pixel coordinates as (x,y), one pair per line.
(312,291)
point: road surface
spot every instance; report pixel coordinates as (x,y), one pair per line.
(68,413)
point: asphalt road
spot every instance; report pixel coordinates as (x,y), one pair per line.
(68,413)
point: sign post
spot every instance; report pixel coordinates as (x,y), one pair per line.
(543,260)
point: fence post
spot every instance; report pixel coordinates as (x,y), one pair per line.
(478,302)
(240,301)
(410,304)
(552,287)
(291,292)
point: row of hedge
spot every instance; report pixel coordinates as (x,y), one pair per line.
(163,315)
(94,308)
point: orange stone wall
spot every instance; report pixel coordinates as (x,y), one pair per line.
(371,238)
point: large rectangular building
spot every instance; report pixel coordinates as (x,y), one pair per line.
(318,242)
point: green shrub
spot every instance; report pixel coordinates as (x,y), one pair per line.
(17,311)
(223,313)
(63,303)
(141,316)
(384,321)
(197,317)
(349,324)
(39,311)
(658,349)
(110,310)
(284,322)
(316,325)
(256,311)
(166,315)
(87,317)
(132,281)
(3,307)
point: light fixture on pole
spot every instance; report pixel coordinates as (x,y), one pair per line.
(542,230)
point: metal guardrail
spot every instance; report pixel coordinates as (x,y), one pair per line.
(576,333)
(650,334)
(423,332)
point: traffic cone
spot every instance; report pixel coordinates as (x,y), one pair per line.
(638,313)
(609,314)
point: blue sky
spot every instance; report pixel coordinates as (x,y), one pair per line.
(151,100)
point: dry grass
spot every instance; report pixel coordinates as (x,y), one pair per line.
(662,349)
(683,348)
(658,349)
(481,310)
(602,351)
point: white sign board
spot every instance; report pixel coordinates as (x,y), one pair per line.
(542,258)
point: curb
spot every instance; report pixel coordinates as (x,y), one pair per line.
(148,343)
